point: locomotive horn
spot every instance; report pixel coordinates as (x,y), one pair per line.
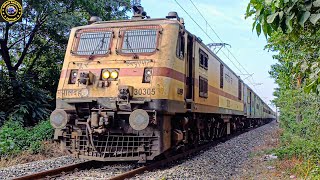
(138,11)
(94,19)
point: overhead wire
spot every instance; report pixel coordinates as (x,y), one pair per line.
(207,24)
(202,30)
(229,51)
(206,33)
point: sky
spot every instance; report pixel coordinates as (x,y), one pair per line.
(226,17)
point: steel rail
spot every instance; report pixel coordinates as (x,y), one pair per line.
(54,172)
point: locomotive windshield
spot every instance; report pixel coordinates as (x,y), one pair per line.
(139,40)
(93,42)
(133,40)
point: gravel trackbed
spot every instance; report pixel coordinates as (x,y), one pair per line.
(219,162)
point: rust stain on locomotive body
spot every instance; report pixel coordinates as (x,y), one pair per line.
(134,89)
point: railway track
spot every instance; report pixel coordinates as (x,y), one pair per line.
(70,169)
(165,162)
(65,170)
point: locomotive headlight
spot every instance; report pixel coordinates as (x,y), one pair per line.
(139,119)
(114,75)
(147,75)
(105,74)
(59,119)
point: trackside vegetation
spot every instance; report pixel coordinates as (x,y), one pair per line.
(292,30)
(14,138)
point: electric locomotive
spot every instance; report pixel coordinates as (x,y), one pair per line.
(132,90)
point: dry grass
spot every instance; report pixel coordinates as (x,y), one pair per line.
(50,150)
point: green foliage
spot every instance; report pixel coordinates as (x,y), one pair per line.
(288,15)
(293,29)
(14,138)
(23,101)
(301,56)
(300,120)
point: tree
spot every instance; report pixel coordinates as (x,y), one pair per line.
(47,23)
(32,52)
(293,29)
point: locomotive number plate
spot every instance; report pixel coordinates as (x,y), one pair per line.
(72,93)
(144,91)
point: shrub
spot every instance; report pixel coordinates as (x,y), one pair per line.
(14,138)
(300,121)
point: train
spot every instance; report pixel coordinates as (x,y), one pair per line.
(138,89)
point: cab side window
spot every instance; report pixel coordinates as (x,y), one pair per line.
(203,57)
(203,87)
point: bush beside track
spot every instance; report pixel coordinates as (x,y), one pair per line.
(20,144)
(15,138)
(300,140)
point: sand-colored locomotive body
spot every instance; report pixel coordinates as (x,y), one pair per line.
(136,89)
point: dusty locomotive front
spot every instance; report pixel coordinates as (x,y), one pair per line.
(114,92)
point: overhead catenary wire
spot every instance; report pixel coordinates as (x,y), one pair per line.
(202,29)
(229,51)
(206,33)
(207,24)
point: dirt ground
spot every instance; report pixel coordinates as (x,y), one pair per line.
(261,167)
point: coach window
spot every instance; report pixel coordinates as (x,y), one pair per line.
(240,90)
(221,75)
(203,58)
(180,46)
(203,87)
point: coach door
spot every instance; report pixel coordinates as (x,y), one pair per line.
(189,72)
(250,101)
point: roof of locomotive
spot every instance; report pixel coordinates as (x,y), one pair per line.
(137,20)
(130,22)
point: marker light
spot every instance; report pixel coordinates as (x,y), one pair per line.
(147,75)
(73,76)
(114,75)
(105,74)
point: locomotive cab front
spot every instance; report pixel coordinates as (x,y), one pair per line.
(116,91)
